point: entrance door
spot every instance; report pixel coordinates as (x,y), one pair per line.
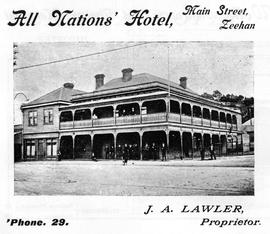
(41,151)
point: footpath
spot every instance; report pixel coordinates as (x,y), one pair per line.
(224,161)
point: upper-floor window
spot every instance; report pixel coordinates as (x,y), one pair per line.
(229,118)
(32,118)
(48,116)
(186,109)
(214,115)
(197,112)
(222,117)
(206,113)
(66,116)
(83,114)
(174,107)
(234,120)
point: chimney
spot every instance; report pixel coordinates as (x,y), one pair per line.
(127,74)
(99,80)
(69,85)
(183,82)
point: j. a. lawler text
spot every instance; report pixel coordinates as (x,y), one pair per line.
(216,210)
(198,209)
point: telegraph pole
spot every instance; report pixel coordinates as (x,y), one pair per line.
(15,52)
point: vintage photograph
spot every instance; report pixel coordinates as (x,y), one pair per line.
(134,118)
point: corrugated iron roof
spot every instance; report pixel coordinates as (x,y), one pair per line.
(138,79)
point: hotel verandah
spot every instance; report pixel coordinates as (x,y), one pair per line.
(133,109)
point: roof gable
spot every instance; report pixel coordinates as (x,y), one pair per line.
(60,94)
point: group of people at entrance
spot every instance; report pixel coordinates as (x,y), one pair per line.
(128,151)
(109,152)
(149,152)
(132,151)
(152,151)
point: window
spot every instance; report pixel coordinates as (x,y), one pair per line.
(206,113)
(214,115)
(30,148)
(222,117)
(186,109)
(155,106)
(174,107)
(84,114)
(32,118)
(229,118)
(51,147)
(66,116)
(197,112)
(48,116)
(234,120)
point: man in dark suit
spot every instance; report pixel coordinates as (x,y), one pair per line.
(164,151)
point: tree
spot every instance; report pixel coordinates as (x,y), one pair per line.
(246,104)
(249,101)
(217,95)
(208,96)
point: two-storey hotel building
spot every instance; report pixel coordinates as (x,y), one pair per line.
(134,110)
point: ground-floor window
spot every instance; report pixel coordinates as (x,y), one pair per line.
(30,148)
(51,147)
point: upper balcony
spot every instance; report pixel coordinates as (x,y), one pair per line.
(153,111)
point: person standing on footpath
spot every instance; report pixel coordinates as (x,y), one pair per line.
(119,152)
(107,151)
(125,154)
(212,152)
(146,151)
(111,152)
(93,157)
(59,155)
(154,151)
(163,152)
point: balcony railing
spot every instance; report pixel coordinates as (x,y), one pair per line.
(155,117)
(147,118)
(131,119)
(214,124)
(173,117)
(186,119)
(82,123)
(197,121)
(222,125)
(66,125)
(206,122)
(103,122)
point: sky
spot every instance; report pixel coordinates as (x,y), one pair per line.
(224,66)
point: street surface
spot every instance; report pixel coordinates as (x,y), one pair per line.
(233,175)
